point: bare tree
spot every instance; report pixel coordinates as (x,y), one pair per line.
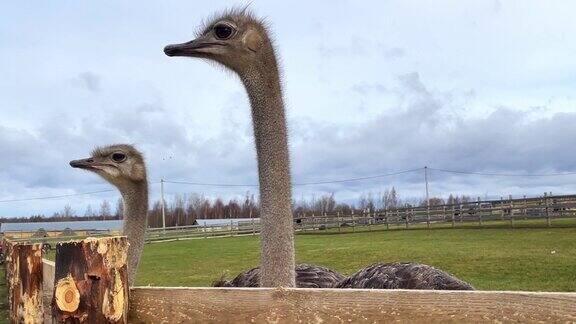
(89,212)
(105,209)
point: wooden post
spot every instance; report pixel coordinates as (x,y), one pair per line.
(353,224)
(338,220)
(406,217)
(231,228)
(501,208)
(511,211)
(91,281)
(479,212)
(25,280)
(525,209)
(453,216)
(428,214)
(253,226)
(548,220)
(370,219)
(386,218)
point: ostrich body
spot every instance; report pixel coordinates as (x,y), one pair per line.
(240,42)
(123,166)
(400,275)
(307,276)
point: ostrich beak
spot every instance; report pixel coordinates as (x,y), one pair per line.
(87,164)
(194,48)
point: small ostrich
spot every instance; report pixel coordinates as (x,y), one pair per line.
(123,166)
(307,276)
(240,42)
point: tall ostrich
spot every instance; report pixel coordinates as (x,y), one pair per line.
(123,166)
(240,42)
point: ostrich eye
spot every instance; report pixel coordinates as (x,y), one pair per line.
(223,31)
(118,157)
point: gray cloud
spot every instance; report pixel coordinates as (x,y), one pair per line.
(88,80)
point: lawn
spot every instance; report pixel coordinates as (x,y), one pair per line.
(535,259)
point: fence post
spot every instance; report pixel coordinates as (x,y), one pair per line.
(25,280)
(312,221)
(406,217)
(511,211)
(428,214)
(370,219)
(353,223)
(231,228)
(454,216)
(548,220)
(501,208)
(338,222)
(525,209)
(479,212)
(91,281)
(386,218)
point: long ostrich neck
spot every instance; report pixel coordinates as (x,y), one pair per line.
(277,238)
(135,199)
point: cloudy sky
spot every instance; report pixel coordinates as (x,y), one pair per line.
(372,87)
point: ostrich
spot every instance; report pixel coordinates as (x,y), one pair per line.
(123,166)
(307,276)
(403,275)
(240,42)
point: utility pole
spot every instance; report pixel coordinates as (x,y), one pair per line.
(426,180)
(163,204)
(427,198)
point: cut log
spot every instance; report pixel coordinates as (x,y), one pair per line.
(91,281)
(24,278)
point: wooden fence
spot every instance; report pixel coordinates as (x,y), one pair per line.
(503,212)
(90,281)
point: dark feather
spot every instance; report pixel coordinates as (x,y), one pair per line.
(403,276)
(307,276)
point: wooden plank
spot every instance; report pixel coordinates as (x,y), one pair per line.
(91,281)
(48,270)
(24,269)
(297,305)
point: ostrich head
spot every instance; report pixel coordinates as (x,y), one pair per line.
(121,165)
(235,39)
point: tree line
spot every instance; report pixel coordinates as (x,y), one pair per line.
(183,210)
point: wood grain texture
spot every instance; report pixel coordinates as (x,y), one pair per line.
(91,281)
(296,305)
(24,278)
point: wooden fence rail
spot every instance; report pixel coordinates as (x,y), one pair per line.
(479,213)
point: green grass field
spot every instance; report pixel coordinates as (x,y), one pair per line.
(534,259)
(529,257)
